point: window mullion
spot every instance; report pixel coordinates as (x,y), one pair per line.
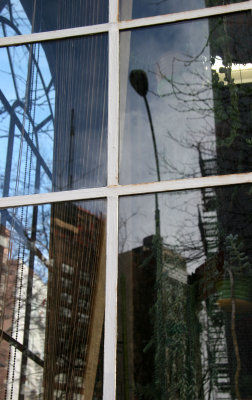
(126,190)
(53,35)
(186,15)
(109,386)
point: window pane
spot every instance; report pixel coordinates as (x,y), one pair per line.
(141,8)
(185,295)
(52,270)
(20,17)
(185,99)
(53,130)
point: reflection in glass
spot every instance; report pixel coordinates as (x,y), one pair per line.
(53,116)
(52,270)
(20,17)
(196,102)
(141,8)
(185,296)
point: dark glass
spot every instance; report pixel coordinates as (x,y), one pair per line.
(141,8)
(53,130)
(185,101)
(52,270)
(185,295)
(20,17)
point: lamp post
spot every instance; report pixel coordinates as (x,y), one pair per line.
(139,82)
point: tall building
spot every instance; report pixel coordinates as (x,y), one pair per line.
(75,304)
(145,304)
(14,278)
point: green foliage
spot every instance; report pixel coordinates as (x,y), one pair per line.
(175,337)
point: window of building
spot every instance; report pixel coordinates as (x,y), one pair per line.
(125,236)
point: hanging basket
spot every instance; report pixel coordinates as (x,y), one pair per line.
(242,295)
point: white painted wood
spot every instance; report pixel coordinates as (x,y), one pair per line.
(185,15)
(109,385)
(113,10)
(126,190)
(113,105)
(53,35)
(183,184)
(100,28)
(110,328)
(45,198)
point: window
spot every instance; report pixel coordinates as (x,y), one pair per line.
(126,136)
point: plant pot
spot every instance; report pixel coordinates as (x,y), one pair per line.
(242,295)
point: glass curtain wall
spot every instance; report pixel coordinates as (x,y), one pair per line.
(125,213)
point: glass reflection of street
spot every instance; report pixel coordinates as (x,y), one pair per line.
(198,87)
(206,293)
(204,84)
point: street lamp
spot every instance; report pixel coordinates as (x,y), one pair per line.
(139,82)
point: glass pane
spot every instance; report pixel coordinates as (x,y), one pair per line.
(19,17)
(185,295)
(143,8)
(185,101)
(52,271)
(53,101)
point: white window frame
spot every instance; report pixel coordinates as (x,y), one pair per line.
(113,191)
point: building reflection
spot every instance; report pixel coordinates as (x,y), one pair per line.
(201,303)
(54,262)
(137,314)
(63,352)
(13,351)
(197,346)
(75,304)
